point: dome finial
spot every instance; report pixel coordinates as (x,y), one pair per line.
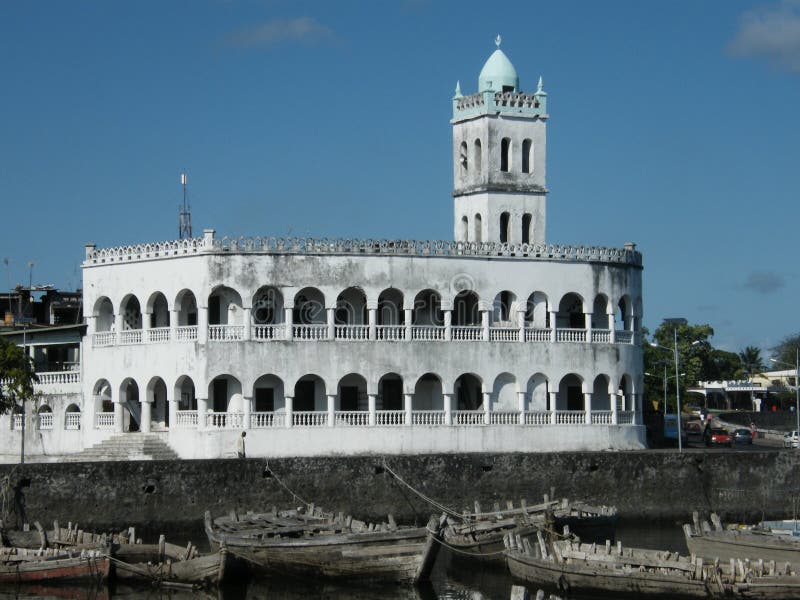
(458,88)
(498,40)
(539,88)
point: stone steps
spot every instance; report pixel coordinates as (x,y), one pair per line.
(128,446)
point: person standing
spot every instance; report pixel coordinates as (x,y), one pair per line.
(240,445)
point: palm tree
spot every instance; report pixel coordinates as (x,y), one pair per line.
(752,363)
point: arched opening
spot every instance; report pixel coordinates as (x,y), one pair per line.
(309,307)
(428,393)
(504,393)
(131,406)
(391,315)
(267,306)
(478,160)
(464,229)
(462,158)
(225,307)
(101,397)
(158,309)
(309,394)
(537,314)
(44,417)
(157,396)
(390,392)
(601,399)
(131,313)
(625,394)
(622,317)
(225,394)
(526,228)
(185,393)
(428,308)
(503,309)
(505,154)
(351,307)
(72,417)
(466,309)
(478,224)
(352,393)
(468,392)
(505,224)
(538,394)
(268,397)
(570,312)
(600,312)
(104,315)
(570,393)
(527,156)
(186,305)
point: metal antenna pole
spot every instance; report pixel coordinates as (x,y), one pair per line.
(678,389)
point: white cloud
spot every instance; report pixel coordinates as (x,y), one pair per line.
(772,33)
(278,31)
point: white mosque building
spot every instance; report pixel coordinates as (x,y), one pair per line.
(496,341)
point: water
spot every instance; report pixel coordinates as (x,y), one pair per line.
(453,578)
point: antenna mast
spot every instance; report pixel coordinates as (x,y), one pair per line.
(184,214)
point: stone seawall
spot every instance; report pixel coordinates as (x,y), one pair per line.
(643,485)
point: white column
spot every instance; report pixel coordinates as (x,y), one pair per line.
(145,325)
(553,403)
(521,323)
(587,319)
(247,321)
(636,401)
(448,408)
(587,406)
(172,407)
(371,401)
(202,409)
(485,324)
(372,318)
(409,317)
(448,324)
(174,315)
(614,417)
(521,407)
(202,324)
(487,407)
(146,416)
(288,400)
(612,335)
(91,325)
(553,321)
(288,317)
(331,409)
(118,324)
(331,315)
(408,402)
(247,408)
(118,417)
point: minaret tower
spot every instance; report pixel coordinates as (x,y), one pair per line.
(499,151)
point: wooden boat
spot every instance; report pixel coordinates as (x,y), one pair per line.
(574,567)
(314,544)
(757,542)
(22,565)
(480,534)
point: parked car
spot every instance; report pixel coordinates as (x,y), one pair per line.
(742,436)
(791,440)
(719,437)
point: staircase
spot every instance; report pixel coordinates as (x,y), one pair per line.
(128,446)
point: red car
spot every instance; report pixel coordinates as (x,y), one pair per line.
(718,437)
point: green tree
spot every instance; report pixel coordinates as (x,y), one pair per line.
(17,376)
(752,363)
(786,350)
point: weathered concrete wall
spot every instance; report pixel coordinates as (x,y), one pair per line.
(651,485)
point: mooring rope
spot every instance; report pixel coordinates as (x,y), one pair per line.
(436,504)
(283,485)
(465,552)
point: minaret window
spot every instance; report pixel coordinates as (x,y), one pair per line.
(505,220)
(462,157)
(526,228)
(478,156)
(464,229)
(527,156)
(505,154)
(478,227)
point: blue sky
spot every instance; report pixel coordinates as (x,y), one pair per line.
(673,124)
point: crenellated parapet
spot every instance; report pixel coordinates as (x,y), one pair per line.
(490,102)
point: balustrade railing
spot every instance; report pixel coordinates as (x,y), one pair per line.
(623,336)
(504,417)
(390,332)
(312,418)
(625,417)
(390,418)
(468,417)
(351,332)
(601,336)
(503,334)
(264,420)
(466,333)
(158,334)
(104,420)
(538,417)
(264,333)
(427,333)
(570,335)
(103,339)
(16,422)
(186,419)
(224,420)
(309,332)
(59,377)
(570,417)
(186,333)
(351,418)
(538,334)
(225,333)
(130,336)
(427,417)
(45,421)
(72,421)
(601,417)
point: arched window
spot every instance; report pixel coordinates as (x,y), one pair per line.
(505,220)
(526,228)
(478,158)
(462,157)
(505,154)
(464,229)
(527,156)
(478,228)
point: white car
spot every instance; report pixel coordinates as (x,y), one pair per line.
(791,440)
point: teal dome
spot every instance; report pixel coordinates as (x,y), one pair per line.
(498,74)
